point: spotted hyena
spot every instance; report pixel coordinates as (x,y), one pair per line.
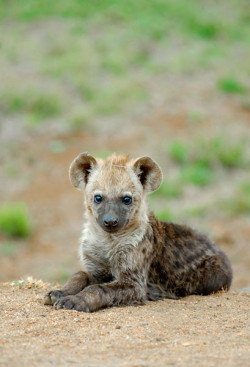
(128,256)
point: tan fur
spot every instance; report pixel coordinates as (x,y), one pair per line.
(127,255)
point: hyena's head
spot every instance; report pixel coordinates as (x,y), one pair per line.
(115,188)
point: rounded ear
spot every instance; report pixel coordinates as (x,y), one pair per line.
(80,169)
(149,173)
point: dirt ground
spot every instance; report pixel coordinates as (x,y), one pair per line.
(194,331)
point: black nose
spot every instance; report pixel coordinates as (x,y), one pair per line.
(110,221)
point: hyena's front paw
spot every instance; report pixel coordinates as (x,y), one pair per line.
(53,296)
(72,303)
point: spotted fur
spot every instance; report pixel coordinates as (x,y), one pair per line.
(135,257)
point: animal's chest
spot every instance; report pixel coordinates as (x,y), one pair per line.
(109,255)
(95,253)
(99,252)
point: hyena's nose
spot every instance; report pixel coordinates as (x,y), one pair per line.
(110,221)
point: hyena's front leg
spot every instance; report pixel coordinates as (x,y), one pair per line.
(95,297)
(128,288)
(73,286)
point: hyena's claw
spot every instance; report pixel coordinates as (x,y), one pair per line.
(58,305)
(71,303)
(52,296)
(66,302)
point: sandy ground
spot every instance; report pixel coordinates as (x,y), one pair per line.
(194,331)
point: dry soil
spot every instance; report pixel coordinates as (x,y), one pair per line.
(194,331)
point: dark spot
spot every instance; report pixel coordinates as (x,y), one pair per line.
(144,173)
(89,209)
(181,231)
(104,290)
(177,265)
(150,236)
(190,245)
(155,239)
(202,252)
(133,277)
(191,258)
(158,266)
(135,272)
(176,254)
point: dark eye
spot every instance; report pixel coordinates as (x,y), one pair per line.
(127,200)
(98,199)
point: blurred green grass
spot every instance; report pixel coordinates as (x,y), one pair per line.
(239,203)
(103,54)
(210,153)
(206,20)
(202,163)
(42,103)
(15,221)
(231,85)
(171,189)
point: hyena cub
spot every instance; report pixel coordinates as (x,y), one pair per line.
(128,256)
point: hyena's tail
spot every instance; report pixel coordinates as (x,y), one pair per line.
(216,274)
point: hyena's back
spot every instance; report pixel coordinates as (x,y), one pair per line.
(185,262)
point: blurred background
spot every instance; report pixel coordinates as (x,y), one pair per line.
(164,78)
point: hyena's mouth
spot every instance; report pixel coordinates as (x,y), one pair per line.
(111,229)
(114,228)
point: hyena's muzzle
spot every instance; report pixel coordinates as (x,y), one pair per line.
(112,216)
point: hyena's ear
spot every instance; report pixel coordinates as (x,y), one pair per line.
(80,169)
(149,173)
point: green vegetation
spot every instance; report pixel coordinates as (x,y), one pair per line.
(102,153)
(168,189)
(190,17)
(7,249)
(165,215)
(102,56)
(43,104)
(17,283)
(245,188)
(230,85)
(197,211)
(11,169)
(227,153)
(178,152)
(56,146)
(198,174)
(62,276)
(80,119)
(239,203)
(29,283)
(200,160)
(195,117)
(14,220)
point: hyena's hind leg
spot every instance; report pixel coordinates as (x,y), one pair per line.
(73,286)
(215,274)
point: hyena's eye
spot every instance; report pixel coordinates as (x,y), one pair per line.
(98,199)
(127,200)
